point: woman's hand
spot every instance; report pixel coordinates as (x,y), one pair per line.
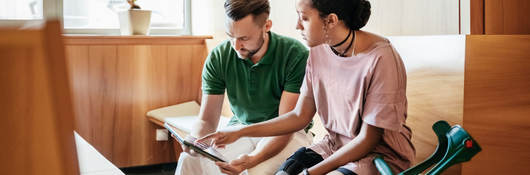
(220,139)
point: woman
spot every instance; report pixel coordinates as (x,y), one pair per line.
(357,82)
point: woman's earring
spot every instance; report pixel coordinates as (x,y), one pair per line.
(326,35)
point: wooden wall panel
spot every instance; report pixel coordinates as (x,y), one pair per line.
(500,17)
(77,57)
(497,103)
(507,17)
(184,72)
(198,51)
(115,84)
(477,17)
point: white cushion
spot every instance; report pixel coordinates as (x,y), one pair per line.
(184,109)
(182,116)
(185,123)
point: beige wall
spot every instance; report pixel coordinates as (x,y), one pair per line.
(414,17)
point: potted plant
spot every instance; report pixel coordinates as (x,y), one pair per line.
(134,21)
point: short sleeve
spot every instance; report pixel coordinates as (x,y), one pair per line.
(212,78)
(296,70)
(386,103)
(306,90)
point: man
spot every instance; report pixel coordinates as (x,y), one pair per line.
(262,73)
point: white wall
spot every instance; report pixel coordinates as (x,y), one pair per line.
(208,18)
(465,7)
(414,17)
(389,18)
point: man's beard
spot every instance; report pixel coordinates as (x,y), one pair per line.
(253,52)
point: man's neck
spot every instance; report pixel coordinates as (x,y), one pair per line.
(259,55)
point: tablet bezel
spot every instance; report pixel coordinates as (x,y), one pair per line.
(181,140)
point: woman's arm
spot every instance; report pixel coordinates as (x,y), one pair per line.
(356,149)
(284,124)
(290,122)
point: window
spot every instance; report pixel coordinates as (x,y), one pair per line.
(20,9)
(99,16)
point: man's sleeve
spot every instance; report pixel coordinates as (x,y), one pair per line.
(296,71)
(212,77)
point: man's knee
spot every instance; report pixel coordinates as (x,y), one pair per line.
(186,160)
(267,167)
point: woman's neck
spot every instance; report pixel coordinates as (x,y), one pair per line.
(345,48)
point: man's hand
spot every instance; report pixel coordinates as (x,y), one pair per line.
(235,167)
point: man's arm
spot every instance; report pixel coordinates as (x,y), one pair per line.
(274,145)
(209,115)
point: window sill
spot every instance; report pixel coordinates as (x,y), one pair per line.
(70,39)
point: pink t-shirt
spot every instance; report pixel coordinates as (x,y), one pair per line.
(369,87)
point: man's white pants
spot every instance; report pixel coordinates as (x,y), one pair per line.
(189,165)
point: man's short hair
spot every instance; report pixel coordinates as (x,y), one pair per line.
(239,9)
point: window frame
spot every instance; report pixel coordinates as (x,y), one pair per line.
(53,9)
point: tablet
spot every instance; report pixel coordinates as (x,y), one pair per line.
(196,148)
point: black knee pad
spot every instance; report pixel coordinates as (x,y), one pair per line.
(289,167)
(303,158)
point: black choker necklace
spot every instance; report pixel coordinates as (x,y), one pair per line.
(343,54)
(342,42)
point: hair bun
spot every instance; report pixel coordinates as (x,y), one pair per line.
(354,13)
(362,15)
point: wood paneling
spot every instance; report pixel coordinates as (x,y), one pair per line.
(497,103)
(500,17)
(115,84)
(507,17)
(134,40)
(477,17)
(36,131)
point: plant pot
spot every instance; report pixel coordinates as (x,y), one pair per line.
(134,22)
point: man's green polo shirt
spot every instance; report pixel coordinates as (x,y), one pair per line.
(254,90)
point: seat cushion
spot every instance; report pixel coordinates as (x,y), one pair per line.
(190,108)
(185,123)
(182,116)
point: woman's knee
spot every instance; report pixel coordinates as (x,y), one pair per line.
(301,159)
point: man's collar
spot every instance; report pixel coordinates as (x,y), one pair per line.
(269,55)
